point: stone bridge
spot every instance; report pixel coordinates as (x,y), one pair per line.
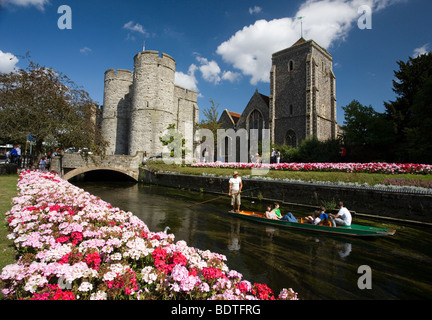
(72,164)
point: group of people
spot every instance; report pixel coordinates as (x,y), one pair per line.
(14,156)
(275,214)
(320,217)
(275,156)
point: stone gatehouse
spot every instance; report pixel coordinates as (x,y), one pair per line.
(139,106)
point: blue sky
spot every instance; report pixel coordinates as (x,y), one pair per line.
(222,48)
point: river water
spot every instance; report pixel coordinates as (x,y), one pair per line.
(315,266)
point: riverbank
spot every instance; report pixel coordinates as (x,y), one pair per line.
(375,203)
(8,190)
(75,246)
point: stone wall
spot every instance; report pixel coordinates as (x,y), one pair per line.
(383,204)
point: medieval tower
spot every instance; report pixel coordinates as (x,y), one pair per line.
(302,100)
(302,94)
(140,105)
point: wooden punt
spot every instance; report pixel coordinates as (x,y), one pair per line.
(354,230)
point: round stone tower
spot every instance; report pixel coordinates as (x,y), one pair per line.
(116,110)
(152,101)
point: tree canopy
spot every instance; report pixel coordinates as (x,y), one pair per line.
(50,107)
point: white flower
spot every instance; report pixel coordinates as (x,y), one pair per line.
(85,286)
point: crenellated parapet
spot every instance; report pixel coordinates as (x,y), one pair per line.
(140,105)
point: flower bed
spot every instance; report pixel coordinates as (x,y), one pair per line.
(73,245)
(381,167)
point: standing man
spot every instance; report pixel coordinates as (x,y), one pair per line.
(235,189)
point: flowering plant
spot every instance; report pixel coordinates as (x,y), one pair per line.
(378,167)
(74,246)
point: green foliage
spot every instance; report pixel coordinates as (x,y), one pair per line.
(49,106)
(410,113)
(175,142)
(311,150)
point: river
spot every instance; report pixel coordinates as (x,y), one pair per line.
(315,266)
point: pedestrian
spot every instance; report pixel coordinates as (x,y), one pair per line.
(278,155)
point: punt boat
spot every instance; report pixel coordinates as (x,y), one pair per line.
(354,230)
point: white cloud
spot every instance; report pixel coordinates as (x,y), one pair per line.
(325,21)
(420,51)
(40,4)
(187,81)
(231,76)
(135,27)
(210,70)
(85,50)
(8,62)
(255,10)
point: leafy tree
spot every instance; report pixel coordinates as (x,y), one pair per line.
(419,133)
(368,133)
(211,120)
(411,79)
(49,106)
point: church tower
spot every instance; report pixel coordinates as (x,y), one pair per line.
(302,100)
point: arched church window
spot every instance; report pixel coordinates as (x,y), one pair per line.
(256,121)
(291,139)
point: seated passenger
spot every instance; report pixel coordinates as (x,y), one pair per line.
(343,217)
(288,217)
(270,214)
(311,219)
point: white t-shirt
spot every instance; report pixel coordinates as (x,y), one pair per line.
(235,184)
(345,215)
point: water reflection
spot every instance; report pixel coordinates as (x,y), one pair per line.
(316,266)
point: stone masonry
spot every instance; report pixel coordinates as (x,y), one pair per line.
(140,105)
(302,100)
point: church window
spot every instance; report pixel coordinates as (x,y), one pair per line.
(291,139)
(256,121)
(291,66)
(291,110)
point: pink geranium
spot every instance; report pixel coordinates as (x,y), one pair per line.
(73,245)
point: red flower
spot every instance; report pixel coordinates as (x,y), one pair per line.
(212,273)
(93,260)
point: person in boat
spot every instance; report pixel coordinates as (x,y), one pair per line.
(235,189)
(343,217)
(288,217)
(311,219)
(271,214)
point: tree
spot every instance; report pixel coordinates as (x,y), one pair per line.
(211,122)
(369,133)
(411,79)
(49,106)
(419,133)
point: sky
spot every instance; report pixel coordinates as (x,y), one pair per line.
(222,48)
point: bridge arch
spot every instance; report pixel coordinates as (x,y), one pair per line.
(133,174)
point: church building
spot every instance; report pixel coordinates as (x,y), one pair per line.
(302,100)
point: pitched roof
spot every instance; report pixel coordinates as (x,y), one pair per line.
(234,116)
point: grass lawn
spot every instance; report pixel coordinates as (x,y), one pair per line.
(8,190)
(369,178)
